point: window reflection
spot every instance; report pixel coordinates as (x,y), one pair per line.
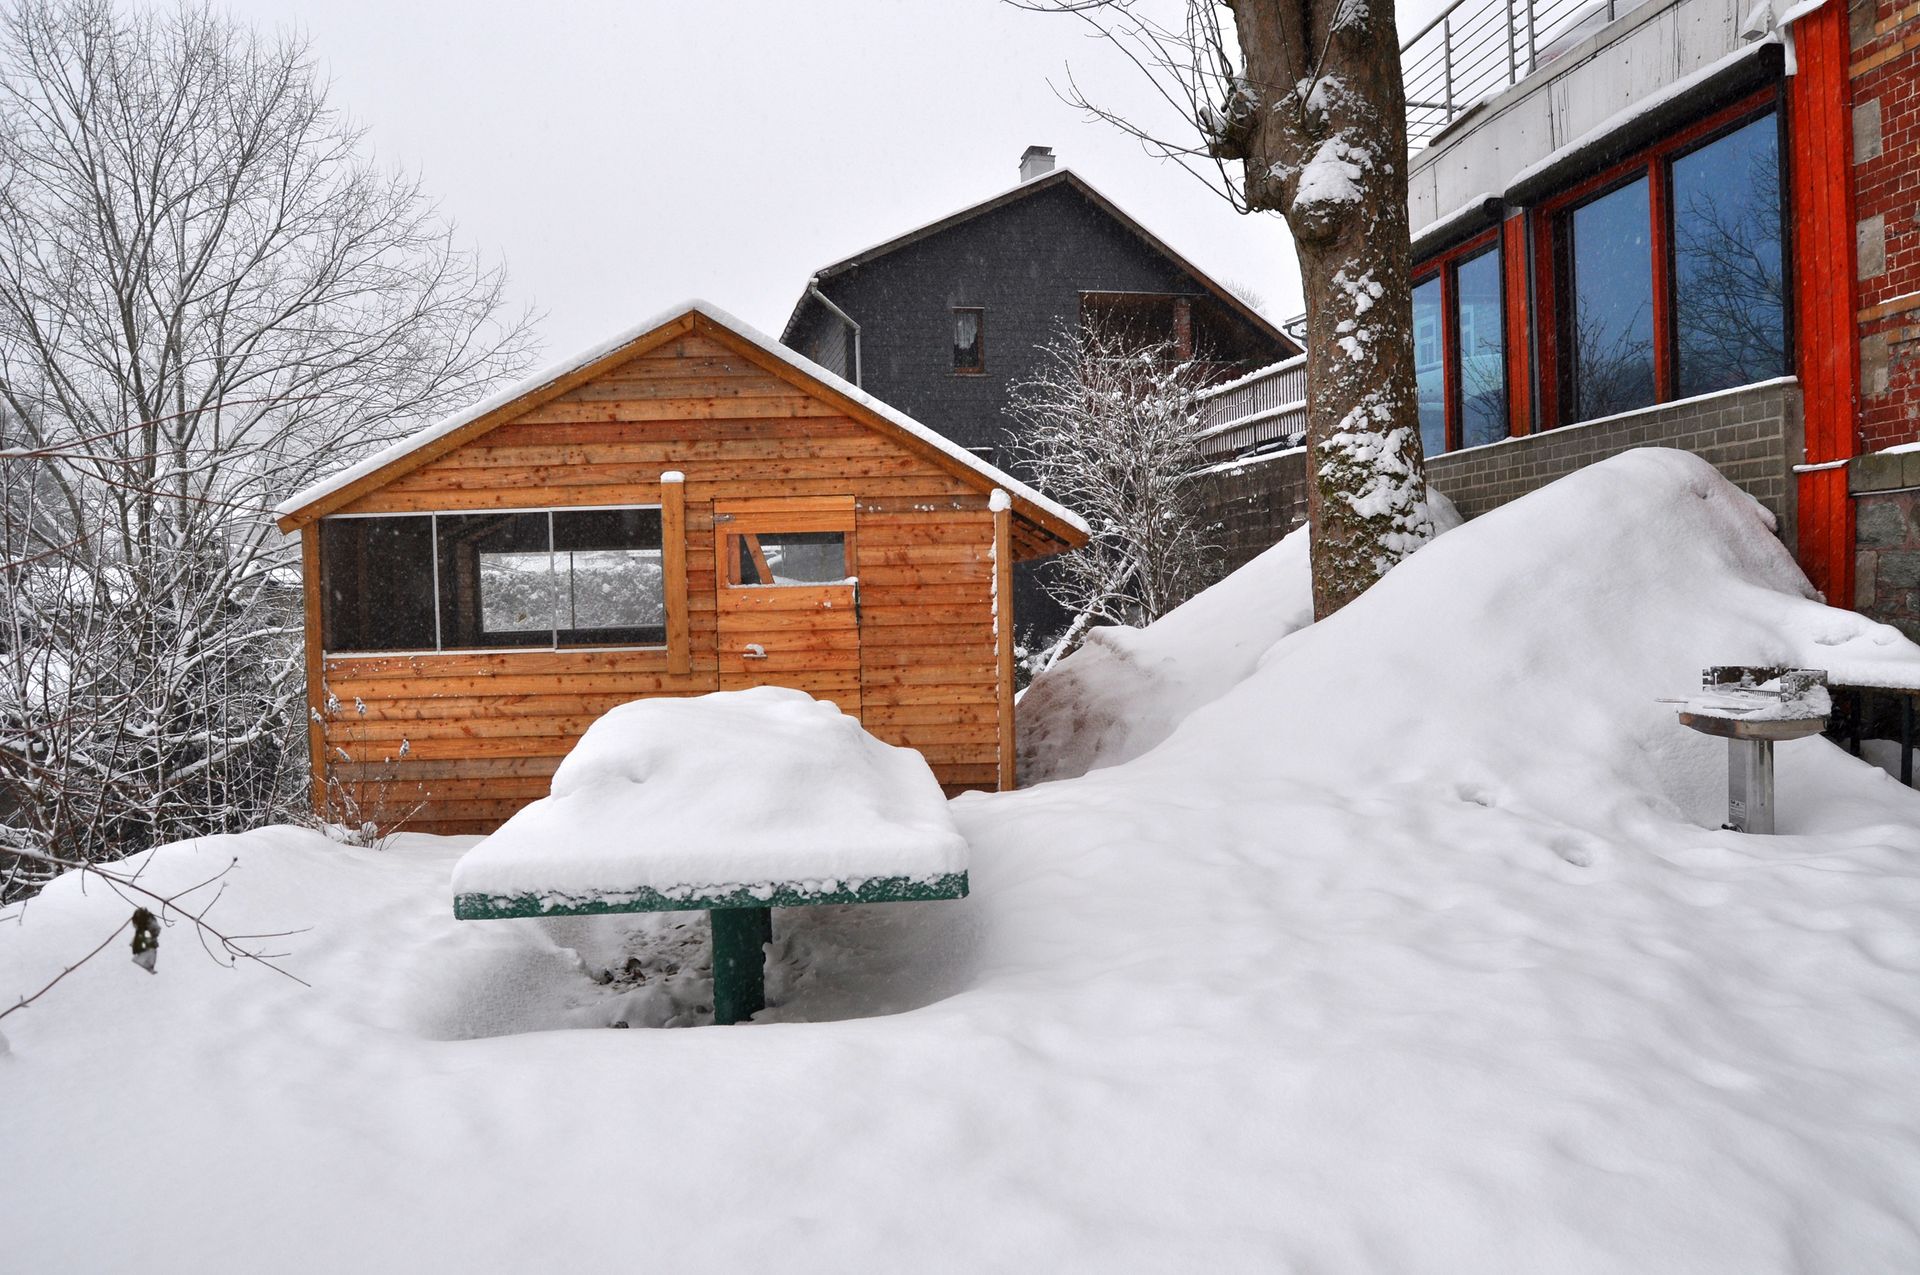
(1429,366)
(1483,365)
(1610,311)
(1729,302)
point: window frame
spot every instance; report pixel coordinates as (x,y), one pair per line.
(1445,266)
(953,314)
(439,628)
(1551,220)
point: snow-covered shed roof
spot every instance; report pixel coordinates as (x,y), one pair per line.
(1058,177)
(1055,521)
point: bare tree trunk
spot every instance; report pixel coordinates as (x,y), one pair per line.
(1319,123)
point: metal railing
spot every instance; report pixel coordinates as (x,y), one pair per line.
(1476,48)
(1262,410)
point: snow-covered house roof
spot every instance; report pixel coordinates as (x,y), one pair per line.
(1054,522)
(1025,190)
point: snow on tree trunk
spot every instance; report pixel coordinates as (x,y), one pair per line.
(1325,146)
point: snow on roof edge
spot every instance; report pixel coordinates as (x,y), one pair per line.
(739,327)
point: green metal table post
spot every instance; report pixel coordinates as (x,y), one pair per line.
(739,962)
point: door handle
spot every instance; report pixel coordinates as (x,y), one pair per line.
(754,651)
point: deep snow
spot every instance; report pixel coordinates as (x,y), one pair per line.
(1417,950)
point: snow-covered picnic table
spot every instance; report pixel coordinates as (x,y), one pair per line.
(736,802)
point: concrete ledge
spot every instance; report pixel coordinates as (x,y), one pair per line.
(1883,471)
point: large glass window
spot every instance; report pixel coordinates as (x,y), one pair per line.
(1729,293)
(1459,349)
(608,577)
(1483,361)
(545,578)
(1430,365)
(376,584)
(1609,317)
(496,580)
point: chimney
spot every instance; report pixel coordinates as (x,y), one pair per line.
(1036,161)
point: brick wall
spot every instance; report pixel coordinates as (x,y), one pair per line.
(1886,571)
(1752,435)
(1885,74)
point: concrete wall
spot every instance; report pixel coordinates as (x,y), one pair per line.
(1751,435)
(1573,93)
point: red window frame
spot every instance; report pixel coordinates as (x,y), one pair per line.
(1655,164)
(1446,265)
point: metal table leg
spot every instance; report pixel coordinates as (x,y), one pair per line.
(739,962)
(1906,740)
(1750,785)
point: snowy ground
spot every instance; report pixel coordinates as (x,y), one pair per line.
(1416,950)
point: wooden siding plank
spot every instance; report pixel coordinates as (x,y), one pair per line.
(673,568)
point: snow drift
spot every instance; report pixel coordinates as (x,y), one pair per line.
(1124,690)
(1417,950)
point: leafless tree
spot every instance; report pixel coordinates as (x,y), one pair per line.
(1108,427)
(1296,107)
(208,295)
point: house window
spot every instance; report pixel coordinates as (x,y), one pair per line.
(1729,303)
(1430,365)
(1609,315)
(969,339)
(1459,348)
(1670,271)
(498,580)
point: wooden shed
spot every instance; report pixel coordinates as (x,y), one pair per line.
(690,507)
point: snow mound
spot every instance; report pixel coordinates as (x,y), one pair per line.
(1531,652)
(1126,689)
(732,789)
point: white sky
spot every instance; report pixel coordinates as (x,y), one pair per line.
(623,156)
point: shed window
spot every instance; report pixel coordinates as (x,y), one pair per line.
(969,340)
(610,583)
(376,584)
(496,580)
(478,581)
(789,557)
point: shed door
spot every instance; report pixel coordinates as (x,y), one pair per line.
(787,600)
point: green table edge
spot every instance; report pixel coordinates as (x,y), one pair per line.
(780,894)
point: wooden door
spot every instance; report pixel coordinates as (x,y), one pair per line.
(788,603)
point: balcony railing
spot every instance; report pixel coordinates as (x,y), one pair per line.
(1476,48)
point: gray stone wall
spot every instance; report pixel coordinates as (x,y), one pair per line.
(1886,564)
(1752,435)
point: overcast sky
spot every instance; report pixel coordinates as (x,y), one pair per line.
(621,157)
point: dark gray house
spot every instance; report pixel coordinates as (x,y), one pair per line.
(943,320)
